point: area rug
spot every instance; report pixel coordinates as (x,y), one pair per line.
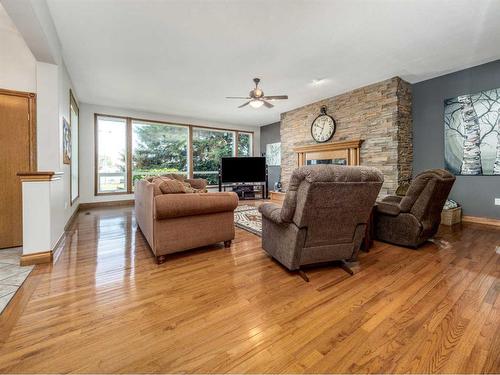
(12,275)
(248,218)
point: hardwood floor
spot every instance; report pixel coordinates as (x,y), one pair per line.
(105,306)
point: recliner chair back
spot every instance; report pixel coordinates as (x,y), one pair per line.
(426,197)
(333,203)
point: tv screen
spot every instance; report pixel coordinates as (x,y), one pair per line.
(243,169)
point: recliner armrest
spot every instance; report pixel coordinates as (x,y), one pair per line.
(392,199)
(272,212)
(388,208)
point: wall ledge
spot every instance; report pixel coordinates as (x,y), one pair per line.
(36,176)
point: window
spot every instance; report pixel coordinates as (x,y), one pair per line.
(209,146)
(129,149)
(244,144)
(111,137)
(158,149)
(74,125)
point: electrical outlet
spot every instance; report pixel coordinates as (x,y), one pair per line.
(497,201)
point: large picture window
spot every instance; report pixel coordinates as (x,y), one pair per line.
(129,149)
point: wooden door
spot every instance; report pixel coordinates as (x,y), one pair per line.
(17,154)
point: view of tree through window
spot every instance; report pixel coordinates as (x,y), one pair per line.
(111,151)
(158,149)
(209,146)
(245,144)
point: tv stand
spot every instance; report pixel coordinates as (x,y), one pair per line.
(246,191)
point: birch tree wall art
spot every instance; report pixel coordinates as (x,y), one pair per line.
(472,134)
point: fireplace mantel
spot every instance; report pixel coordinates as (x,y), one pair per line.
(345,150)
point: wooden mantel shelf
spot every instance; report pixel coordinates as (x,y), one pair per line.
(332,146)
(31,176)
(346,151)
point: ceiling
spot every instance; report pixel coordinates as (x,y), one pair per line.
(182,57)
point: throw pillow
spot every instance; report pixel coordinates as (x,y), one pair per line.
(190,189)
(172,187)
(157,181)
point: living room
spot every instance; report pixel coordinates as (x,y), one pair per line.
(249,186)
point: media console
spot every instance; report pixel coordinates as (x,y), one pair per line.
(257,190)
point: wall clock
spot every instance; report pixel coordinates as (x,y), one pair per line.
(323,127)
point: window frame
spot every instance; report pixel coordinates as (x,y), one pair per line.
(128,163)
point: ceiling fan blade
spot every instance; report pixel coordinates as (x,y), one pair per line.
(238,97)
(275,97)
(244,104)
(267,104)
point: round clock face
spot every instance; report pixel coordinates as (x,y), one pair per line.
(323,128)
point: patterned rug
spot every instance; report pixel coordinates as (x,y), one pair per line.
(248,218)
(12,275)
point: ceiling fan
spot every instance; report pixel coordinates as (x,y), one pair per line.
(257,97)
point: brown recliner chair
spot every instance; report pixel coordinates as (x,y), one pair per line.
(414,218)
(324,215)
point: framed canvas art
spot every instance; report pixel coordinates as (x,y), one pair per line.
(273,154)
(472,134)
(66,142)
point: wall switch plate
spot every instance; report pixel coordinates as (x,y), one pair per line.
(497,201)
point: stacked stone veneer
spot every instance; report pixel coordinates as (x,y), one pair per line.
(380,114)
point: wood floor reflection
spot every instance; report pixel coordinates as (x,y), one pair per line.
(106,306)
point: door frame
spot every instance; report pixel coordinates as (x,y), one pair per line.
(32,124)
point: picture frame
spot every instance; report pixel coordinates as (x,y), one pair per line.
(273,154)
(66,140)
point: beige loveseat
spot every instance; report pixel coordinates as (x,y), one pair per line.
(178,222)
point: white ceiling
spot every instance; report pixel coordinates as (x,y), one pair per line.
(182,57)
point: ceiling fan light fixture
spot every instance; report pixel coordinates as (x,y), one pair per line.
(256,103)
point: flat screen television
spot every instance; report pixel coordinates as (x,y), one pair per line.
(243,169)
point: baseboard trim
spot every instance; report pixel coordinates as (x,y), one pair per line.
(481,220)
(72,218)
(36,258)
(86,206)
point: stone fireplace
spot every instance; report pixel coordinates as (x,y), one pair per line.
(373,129)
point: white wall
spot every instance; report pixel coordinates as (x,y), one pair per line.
(20,71)
(62,209)
(17,64)
(87,160)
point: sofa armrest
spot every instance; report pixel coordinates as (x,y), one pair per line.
(387,208)
(272,212)
(168,206)
(197,183)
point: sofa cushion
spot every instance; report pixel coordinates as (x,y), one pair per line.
(178,205)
